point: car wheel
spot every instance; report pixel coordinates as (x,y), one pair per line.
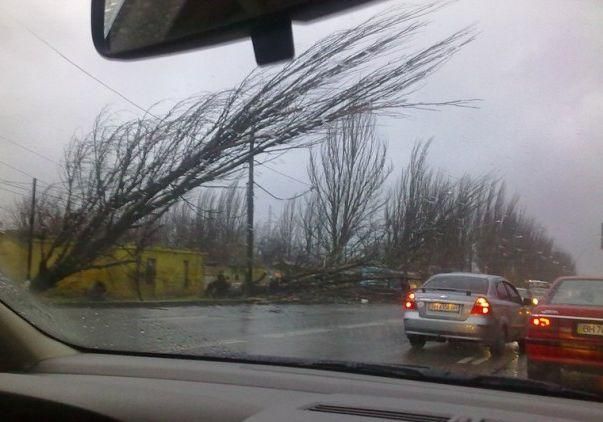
(497,347)
(416,342)
(544,372)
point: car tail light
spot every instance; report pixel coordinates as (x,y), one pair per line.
(540,322)
(409,302)
(481,307)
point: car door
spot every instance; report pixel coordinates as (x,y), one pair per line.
(518,312)
(502,309)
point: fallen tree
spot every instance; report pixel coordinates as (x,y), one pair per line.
(124,176)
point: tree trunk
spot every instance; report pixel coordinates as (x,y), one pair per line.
(46,279)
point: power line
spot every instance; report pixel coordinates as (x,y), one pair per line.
(283,174)
(23,173)
(84,71)
(27,191)
(197,208)
(13,182)
(221,187)
(283,199)
(16,169)
(13,185)
(50,186)
(12,191)
(10,141)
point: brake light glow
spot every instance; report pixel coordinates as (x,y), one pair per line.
(481,307)
(541,322)
(409,301)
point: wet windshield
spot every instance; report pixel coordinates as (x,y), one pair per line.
(196,204)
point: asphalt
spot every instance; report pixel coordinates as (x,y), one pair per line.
(362,333)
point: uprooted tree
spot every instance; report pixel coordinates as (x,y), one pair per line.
(125,176)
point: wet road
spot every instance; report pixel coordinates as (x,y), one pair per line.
(361,333)
(367,333)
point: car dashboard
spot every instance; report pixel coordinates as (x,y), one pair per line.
(131,388)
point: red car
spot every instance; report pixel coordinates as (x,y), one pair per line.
(566,329)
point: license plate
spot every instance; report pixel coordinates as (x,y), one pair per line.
(444,307)
(590,329)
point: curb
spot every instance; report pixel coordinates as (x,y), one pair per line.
(217,302)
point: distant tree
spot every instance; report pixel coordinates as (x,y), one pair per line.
(455,237)
(347,178)
(214,224)
(312,233)
(433,223)
(280,244)
(415,212)
(510,243)
(48,214)
(124,175)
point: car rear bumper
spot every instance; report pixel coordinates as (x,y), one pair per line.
(474,328)
(569,354)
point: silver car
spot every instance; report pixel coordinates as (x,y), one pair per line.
(465,306)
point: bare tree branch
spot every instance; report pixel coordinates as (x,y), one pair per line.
(122,172)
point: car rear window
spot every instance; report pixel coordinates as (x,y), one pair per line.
(474,284)
(578,292)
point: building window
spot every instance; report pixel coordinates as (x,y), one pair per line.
(150,271)
(186,274)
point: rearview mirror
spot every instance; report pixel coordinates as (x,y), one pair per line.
(528,301)
(128,29)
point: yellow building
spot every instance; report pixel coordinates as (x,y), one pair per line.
(159,273)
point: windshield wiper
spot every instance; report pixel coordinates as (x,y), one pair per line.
(396,371)
(407,372)
(529,386)
(428,374)
(392,371)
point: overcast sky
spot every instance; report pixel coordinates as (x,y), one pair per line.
(536,65)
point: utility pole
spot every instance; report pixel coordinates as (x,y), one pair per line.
(250,210)
(32,218)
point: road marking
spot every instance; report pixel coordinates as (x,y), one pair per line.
(173,317)
(218,343)
(293,333)
(369,324)
(479,361)
(330,329)
(233,341)
(297,333)
(466,360)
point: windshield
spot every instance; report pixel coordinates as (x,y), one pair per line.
(197,204)
(472,284)
(578,292)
